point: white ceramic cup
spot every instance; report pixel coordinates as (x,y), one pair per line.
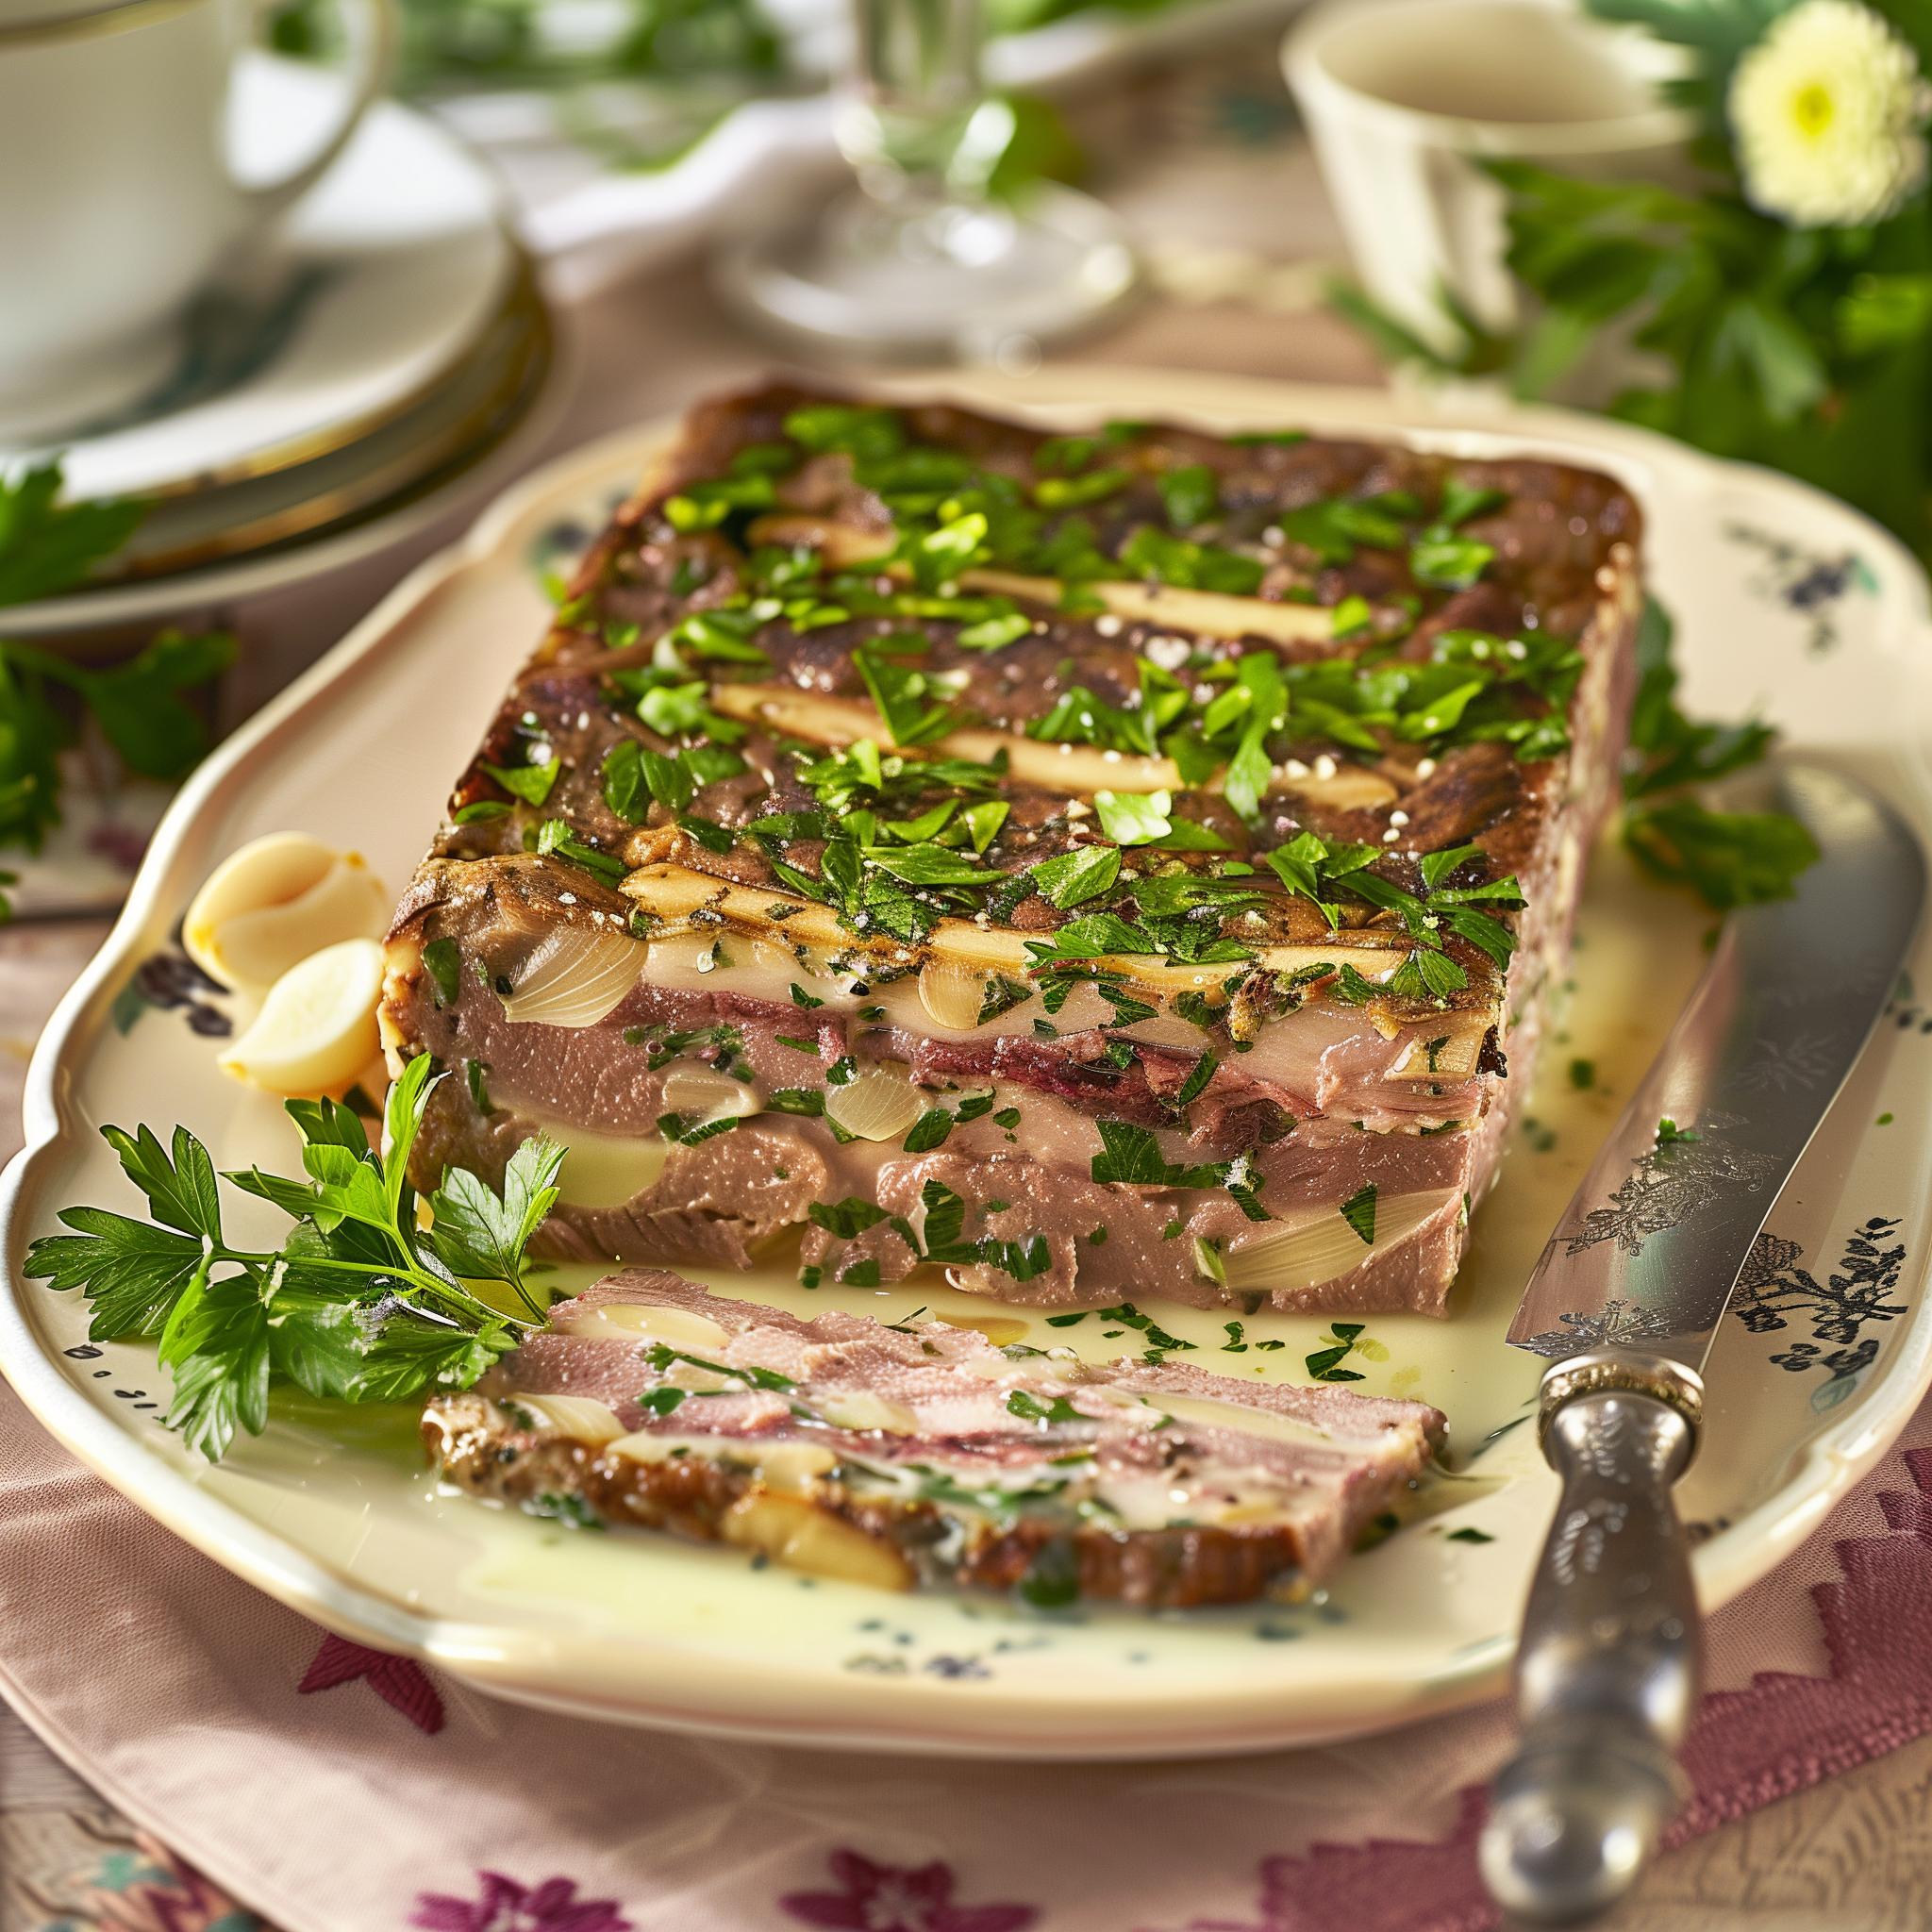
(1398,95)
(118,194)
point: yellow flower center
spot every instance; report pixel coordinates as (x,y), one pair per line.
(1813,109)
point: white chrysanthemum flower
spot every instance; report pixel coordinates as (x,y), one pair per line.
(1828,109)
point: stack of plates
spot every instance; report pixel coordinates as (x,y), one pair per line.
(332,392)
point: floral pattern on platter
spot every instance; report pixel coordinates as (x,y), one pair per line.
(502,1904)
(1808,582)
(874,1897)
(1773,1287)
(167,981)
(556,550)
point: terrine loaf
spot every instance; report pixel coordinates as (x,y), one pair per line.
(920,1453)
(1107,864)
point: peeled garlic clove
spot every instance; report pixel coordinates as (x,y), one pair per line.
(316,1030)
(878,1105)
(650,1322)
(796,1533)
(581,1416)
(708,1093)
(275,901)
(859,1409)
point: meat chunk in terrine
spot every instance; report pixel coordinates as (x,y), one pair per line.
(895,1455)
(1117,863)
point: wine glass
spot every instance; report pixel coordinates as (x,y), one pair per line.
(918,261)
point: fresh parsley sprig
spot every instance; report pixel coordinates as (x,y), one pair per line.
(358,1305)
(1728,858)
(47,546)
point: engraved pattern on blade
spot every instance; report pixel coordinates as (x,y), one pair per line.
(1650,1246)
(1669,1183)
(1784,1066)
(1617,1324)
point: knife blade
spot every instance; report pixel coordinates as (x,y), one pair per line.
(1625,1300)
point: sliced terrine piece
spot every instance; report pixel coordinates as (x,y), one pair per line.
(921,1453)
(1125,864)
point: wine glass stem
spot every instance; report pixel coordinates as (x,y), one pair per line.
(910,98)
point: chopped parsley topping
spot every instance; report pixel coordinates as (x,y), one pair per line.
(443,960)
(1358,1210)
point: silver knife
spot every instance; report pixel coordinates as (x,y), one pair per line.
(1625,1300)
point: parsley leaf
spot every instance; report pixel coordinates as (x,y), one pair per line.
(1031,1410)
(1358,1210)
(1083,873)
(1191,494)
(1151,553)
(358,1304)
(1130,1153)
(1731,859)
(47,546)
(555,835)
(531,783)
(1134,818)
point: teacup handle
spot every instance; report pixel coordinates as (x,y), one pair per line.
(371,31)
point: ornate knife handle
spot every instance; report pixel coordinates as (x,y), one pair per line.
(1607,1676)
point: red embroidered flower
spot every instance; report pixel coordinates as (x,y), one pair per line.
(899,1898)
(504,1906)
(401,1683)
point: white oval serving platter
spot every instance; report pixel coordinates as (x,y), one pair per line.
(1785,602)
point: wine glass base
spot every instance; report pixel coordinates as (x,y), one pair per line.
(984,283)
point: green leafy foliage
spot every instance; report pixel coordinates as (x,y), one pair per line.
(1809,349)
(1358,1210)
(1729,859)
(47,546)
(139,706)
(358,1304)
(1343,1339)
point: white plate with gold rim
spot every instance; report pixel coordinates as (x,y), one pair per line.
(1784,600)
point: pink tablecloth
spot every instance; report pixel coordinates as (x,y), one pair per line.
(335,1789)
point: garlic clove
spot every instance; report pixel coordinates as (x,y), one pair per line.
(708,1095)
(579,1416)
(648,1321)
(577,976)
(859,1409)
(275,901)
(803,1537)
(316,1030)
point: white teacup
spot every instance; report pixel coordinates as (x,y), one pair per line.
(1399,94)
(118,195)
